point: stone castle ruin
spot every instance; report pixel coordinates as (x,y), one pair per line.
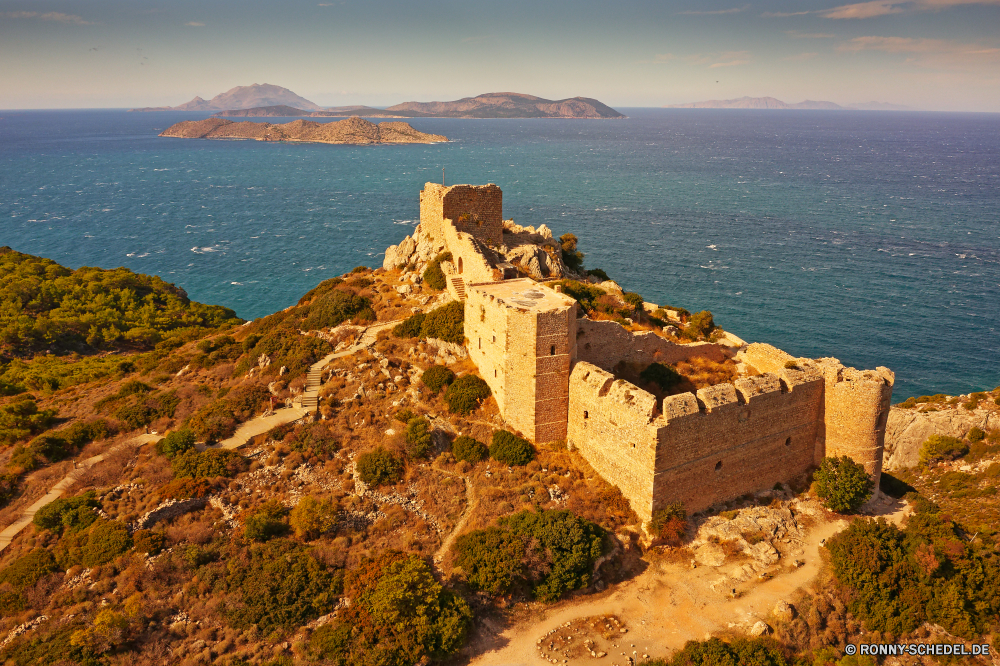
(552,372)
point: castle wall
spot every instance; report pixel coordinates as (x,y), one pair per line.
(554,351)
(606,343)
(469,261)
(486,329)
(609,423)
(733,439)
(856,410)
(481,204)
(698,449)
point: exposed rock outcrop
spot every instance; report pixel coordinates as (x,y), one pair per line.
(907,429)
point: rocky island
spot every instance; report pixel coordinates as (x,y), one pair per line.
(352,130)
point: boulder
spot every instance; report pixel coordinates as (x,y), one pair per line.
(710,555)
(783,611)
(759,628)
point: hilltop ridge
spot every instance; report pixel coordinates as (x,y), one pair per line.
(774,103)
(242,97)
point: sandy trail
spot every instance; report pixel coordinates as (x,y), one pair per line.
(667,605)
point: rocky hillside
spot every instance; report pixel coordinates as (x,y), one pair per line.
(282,111)
(243,97)
(352,130)
(913,421)
(510,105)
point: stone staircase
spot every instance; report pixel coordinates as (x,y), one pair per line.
(310,394)
(458,287)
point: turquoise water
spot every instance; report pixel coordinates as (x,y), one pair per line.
(870,237)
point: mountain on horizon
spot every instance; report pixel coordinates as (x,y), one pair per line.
(510,105)
(244,97)
(774,103)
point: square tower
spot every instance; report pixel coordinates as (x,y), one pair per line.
(475,209)
(522,337)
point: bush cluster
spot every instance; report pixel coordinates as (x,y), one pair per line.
(926,572)
(939,448)
(669,524)
(510,449)
(572,257)
(700,325)
(67,513)
(399,614)
(311,518)
(552,552)
(21,418)
(466,393)
(44,305)
(433,275)
(437,377)
(444,323)
(469,449)
(418,438)
(662,375)
(762,651)
(218,420)
(266,522)
(176,443)
(843,484)
(208,464)
(380,467)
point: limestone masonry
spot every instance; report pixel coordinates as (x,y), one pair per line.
(551,371)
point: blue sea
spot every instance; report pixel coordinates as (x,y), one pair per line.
(872,237)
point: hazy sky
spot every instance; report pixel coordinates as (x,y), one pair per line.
(930,54)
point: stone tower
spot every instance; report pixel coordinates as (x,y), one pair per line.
(522,337)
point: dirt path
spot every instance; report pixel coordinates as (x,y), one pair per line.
(471,502)
(667,605)
(56,491)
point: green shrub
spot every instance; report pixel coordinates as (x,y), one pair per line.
(9,486)
(314,439)
(28,569)
(585,294)
(941,448)
(842,484)
(551,551)
(436,377)
(410,327)
(510,449)
(418,438)
(148,542)
(597,272)
(380,467)
(466,394)
(208,464)
(762,651)
(405,415)
(433,275)
(633,299)
(108,539)
(267,522)
(72,513)
(700,325)
(11,603)
(572,257)
(400,614)
(278,585)
(468,449)
(445,323)
(21,418)
(975,434)
(176,443)
(336,307)
(311,517)
(331,643)
(662,375)
(669,523)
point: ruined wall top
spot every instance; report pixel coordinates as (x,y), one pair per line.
(474,209)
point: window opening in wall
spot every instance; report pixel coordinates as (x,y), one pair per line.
(586,415)
(718,466)
(494,338)
(460,264)
(788,442)
(552,350)
(480,343)
(494,372)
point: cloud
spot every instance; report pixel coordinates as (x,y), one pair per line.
(49,16)
(795,34)
(802,56)
(716,12)
(731,63)
(931,53)
(863,10)
(784,14)
(195,24)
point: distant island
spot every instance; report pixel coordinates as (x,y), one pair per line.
(352,130)
(242,97)
(266,100)
(773,103)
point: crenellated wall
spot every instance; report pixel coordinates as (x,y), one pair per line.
(698,449)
